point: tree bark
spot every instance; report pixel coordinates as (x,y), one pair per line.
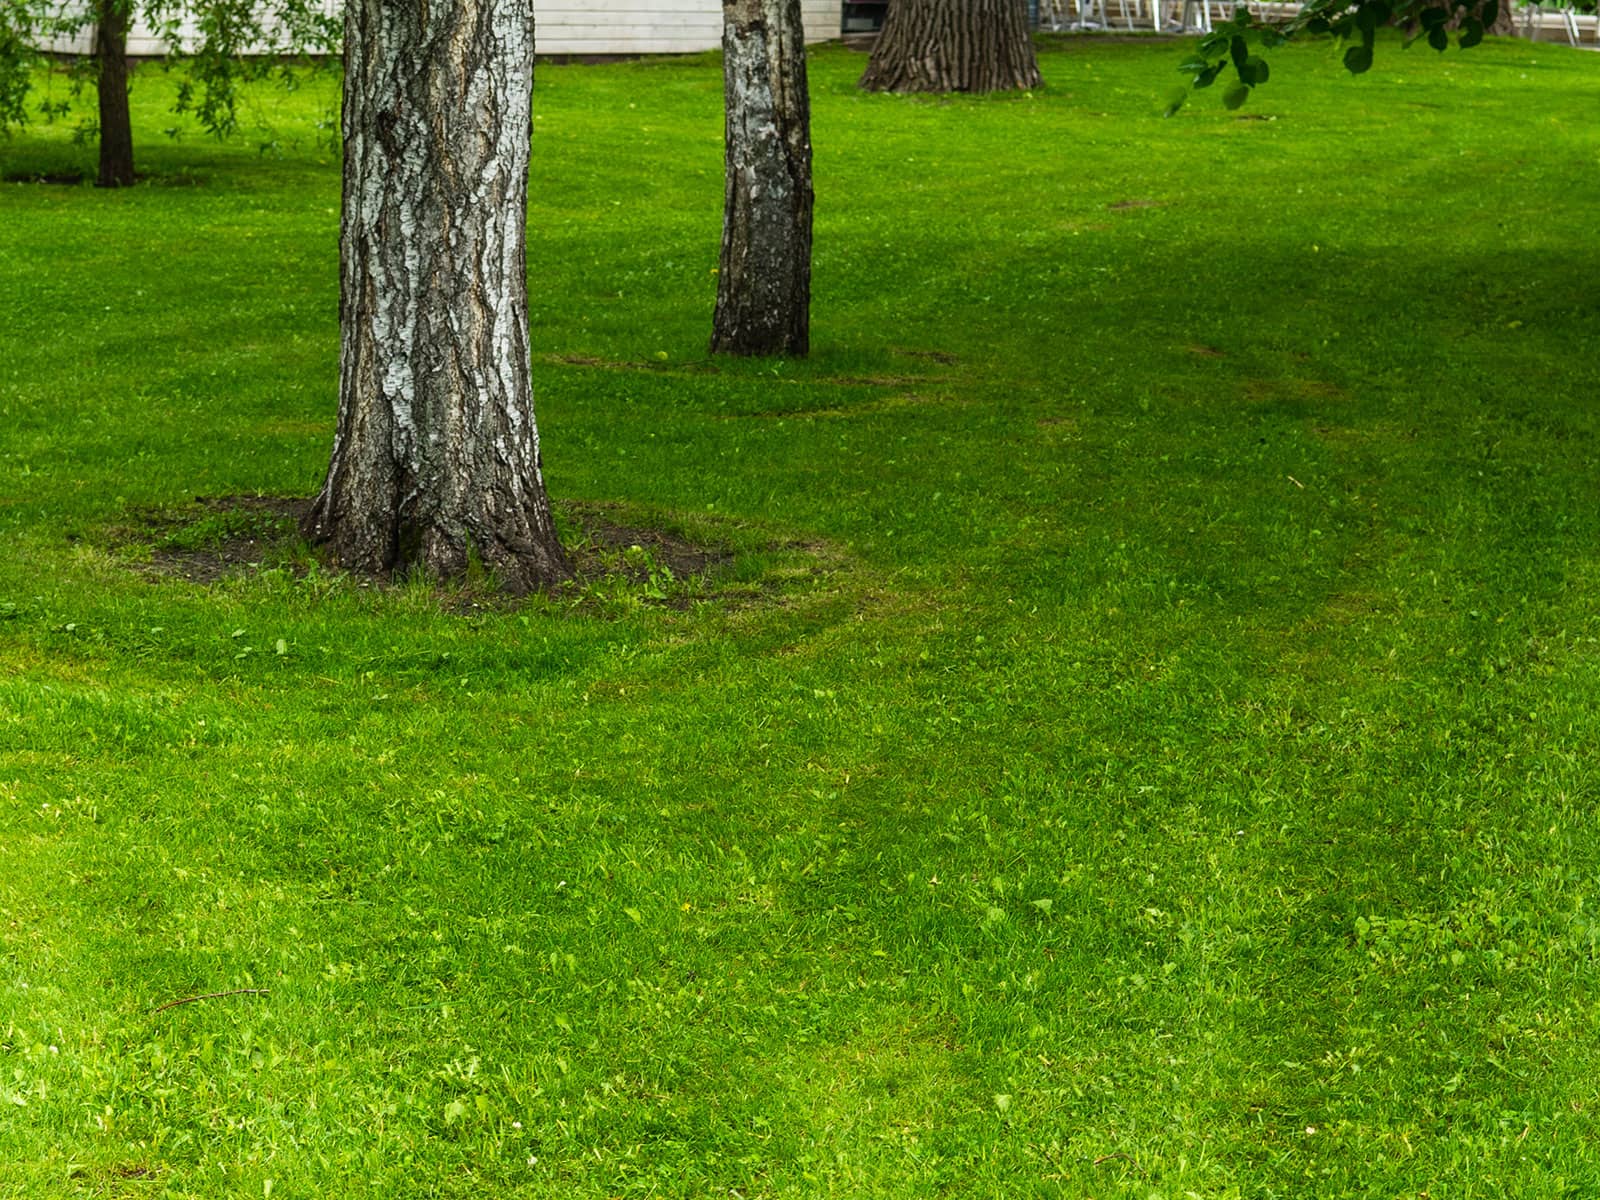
(764,281)
(953,46)
(435,463)
(116,126)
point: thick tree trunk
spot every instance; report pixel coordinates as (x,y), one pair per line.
(764,282)
(953,46)
(436,457)
(116,127)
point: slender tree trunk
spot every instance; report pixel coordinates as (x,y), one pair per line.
(764,282)
(116,128)
(953,46)
(436,458)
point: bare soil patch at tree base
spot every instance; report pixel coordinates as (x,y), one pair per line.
(55,178)
(214,538)
(603,537)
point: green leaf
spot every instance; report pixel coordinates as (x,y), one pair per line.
(1438,38)
(1235,96)
(1255,71)
(1240,53)
(1318,25)
(1433,18)
(1358,59)
(1209,76)
(1490,14)
(1193,65)
(1471,33)
(1175,99)
(1367,19)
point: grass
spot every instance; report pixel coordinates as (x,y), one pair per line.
(1140,745)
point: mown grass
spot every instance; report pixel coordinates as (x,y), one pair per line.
(1141,746)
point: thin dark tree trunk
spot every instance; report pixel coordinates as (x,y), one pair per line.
(116,127)
(435,462)
(953,46)
(764,281)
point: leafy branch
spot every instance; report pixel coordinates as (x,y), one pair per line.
(1230,43)
(221,44)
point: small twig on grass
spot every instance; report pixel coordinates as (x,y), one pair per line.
(209,996)
(1296,482)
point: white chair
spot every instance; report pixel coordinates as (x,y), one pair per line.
(1053,15)
(1092,15)
(1569,18)
(1196,17)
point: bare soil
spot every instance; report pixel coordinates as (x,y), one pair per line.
(602,534)
(216,537)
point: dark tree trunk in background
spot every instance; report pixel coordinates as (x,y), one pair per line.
(1504,25)
(953,46)
(116,128)
(764,282)
(436,458)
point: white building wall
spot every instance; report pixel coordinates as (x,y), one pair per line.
(651,26)
(596,27)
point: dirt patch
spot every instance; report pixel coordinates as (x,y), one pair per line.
(662,365)
(1122,205)
(59,178)
(609,547)
(624,559)
(218,536)
(834,411)
(878,380)
(1271,391)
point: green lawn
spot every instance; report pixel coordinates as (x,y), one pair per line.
(1143,743)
